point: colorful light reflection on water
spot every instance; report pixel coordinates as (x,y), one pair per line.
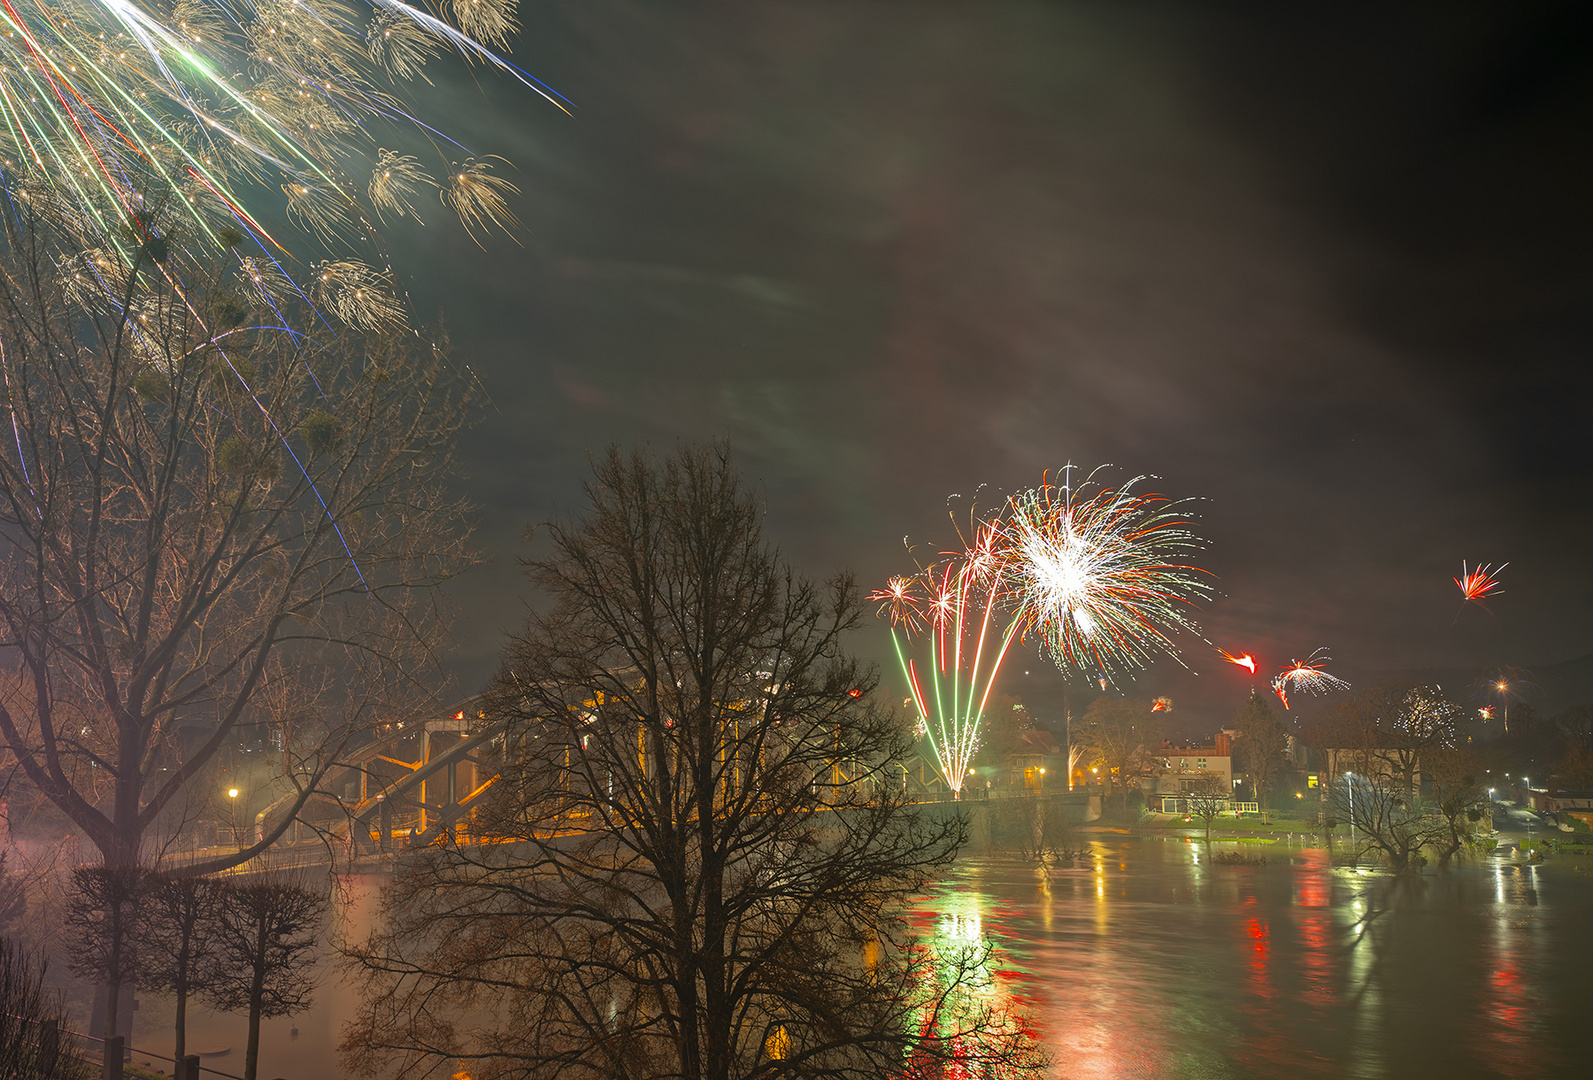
(1149,961)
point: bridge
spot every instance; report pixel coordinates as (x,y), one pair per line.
(417,782)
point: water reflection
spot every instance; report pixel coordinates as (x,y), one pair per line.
(1148,960)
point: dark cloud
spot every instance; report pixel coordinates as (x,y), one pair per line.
(1324,266)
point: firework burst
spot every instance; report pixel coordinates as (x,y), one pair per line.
(1101,575)
(1478,585)
(1244,660)
(1306,677)
(1095,573)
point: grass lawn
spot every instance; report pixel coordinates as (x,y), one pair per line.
(1249,824)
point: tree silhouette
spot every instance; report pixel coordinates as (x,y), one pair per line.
(1262,742)
(101,923)
(1118,732)
(176,939)
(266,934)
(34,1044)
(701,842)
(203,491)
(1208,796)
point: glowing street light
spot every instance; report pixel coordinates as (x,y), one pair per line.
(232,793)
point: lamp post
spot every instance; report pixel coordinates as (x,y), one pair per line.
(1349,779)
(1527,782)
(232,813)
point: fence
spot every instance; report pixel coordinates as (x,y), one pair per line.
(1175,805)
(113,1054)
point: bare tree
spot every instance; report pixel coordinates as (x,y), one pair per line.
(1459,794)
(701,845)
(1007,721)
(13,897)
(176,938)
(1385,819)
(1117,732)
(1386,731)
(267,931)
(203,488)
(1262,743)
(34,1044)
(101,920)
(1208,796)
(1574,766)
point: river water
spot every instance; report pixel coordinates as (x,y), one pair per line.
(1145,959)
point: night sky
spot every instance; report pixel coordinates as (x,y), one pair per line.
(1325,267)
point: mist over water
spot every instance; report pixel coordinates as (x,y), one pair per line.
(1145,959)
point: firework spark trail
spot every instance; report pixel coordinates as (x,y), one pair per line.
(962,623)
(120,113)
(1478,585)
(1094,573)
(130,128)
(1306,677)
(1100,574)
(1244,660)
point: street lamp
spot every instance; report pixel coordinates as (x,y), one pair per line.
(232,813)
(1350,778)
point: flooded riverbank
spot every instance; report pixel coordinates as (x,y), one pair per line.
(1146,958)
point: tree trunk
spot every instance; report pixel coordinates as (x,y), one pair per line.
(113,993)
(181,1049)
(251,1057)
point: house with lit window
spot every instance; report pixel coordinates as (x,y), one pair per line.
(1182,768)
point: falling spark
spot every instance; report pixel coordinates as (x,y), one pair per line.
(1244,660)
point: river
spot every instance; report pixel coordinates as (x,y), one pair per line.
(1146,959)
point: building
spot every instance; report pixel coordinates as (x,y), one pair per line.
(1574,802)
(1179,769)
(1381,764)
